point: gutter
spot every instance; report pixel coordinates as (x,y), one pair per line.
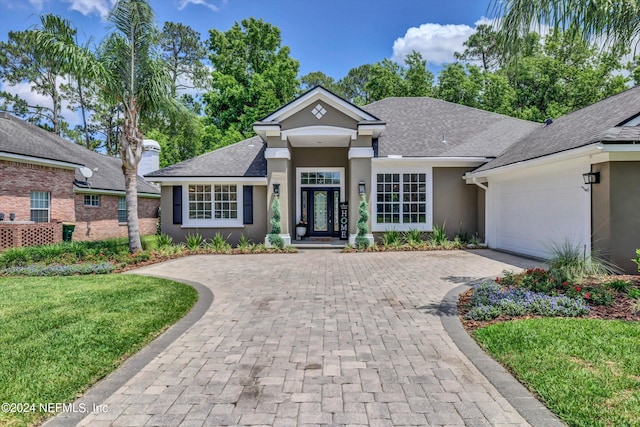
(474,179)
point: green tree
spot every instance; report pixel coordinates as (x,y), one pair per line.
(461,84)
(274,236)
(184,54)
(353,86)
(386,79)
(253,75)
(418,80)
(482,47)
(22,60)
(318,78)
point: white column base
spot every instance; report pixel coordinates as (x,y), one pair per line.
(352,239)
(285,237)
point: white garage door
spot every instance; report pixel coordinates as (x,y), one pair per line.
(533,210)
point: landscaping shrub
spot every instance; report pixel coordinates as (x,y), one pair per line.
(634,293)
(538,280)
(219,244)
(439,235)
(637,260)
(361,238)
(619,285)
(274,237)
(414,237)
(569,262)
(163,240)
(194,241)
(391,238)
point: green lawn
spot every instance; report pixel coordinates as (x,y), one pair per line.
(60,335)
(586,371)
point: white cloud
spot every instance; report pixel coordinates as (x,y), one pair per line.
(37,3)
(436,42)
(185,3)
(89,7)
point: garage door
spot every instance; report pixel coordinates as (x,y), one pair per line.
(533,210)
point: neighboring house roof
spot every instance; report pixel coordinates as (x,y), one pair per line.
(599,122)
(18,137)
(242,159)
(416,127)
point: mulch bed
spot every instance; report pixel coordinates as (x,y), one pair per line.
(620,310)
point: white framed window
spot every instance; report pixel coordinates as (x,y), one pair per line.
(92,200)
(402,199)
(122,209)
(212,205)
(226,201)
(40,206)
(199,202)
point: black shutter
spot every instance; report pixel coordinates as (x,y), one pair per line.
(247,204)
(177,204)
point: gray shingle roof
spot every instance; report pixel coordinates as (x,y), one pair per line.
(596,123)
(20,137)
(237,160)
(415,127)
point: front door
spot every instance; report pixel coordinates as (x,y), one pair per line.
(320,210)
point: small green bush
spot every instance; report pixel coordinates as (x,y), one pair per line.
(439,235)
(619,285)
(414,237)
(391,239)
(163,240)
(637,260)
(361,237)
(274,237)
(569,262)
(194,241)
(219,243)
(634,293)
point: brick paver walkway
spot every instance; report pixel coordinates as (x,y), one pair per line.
(318,338)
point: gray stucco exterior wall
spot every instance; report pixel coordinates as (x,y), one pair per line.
(254,232)
(455,203)
(614,213)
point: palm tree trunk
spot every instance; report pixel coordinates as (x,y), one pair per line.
(131,183)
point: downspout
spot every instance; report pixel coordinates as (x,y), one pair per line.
(474,179)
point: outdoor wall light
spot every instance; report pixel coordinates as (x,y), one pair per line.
(276,188)
(1,216)
(361,187)
(12,216)
(591,178)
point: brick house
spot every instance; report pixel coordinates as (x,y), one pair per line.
(44,181)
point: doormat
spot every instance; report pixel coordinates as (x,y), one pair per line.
(321,239)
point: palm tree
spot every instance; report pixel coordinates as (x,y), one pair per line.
(614,20)
(139,81)
(130,73)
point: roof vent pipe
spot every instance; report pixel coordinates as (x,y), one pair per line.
(548,122)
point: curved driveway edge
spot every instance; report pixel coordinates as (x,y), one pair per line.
(97,394)
(516,394)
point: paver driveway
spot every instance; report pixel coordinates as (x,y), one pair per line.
(317,338)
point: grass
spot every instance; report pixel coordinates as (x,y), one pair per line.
(586,371)
(60,335)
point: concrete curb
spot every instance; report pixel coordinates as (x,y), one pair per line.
(97,394)
(515,393)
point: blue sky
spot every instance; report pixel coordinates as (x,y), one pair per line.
(332,36)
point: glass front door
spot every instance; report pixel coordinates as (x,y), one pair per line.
(320,210)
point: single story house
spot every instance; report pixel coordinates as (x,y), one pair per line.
(420,162)
(47,179)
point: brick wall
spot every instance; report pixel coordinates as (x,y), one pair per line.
(96,223)
(14,235)
(17,180)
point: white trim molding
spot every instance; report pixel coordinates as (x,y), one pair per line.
(316,95)
(180,180)
(360,153)
(277,153)
(416,167)
(79,190)
(299,185)
(352,239)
